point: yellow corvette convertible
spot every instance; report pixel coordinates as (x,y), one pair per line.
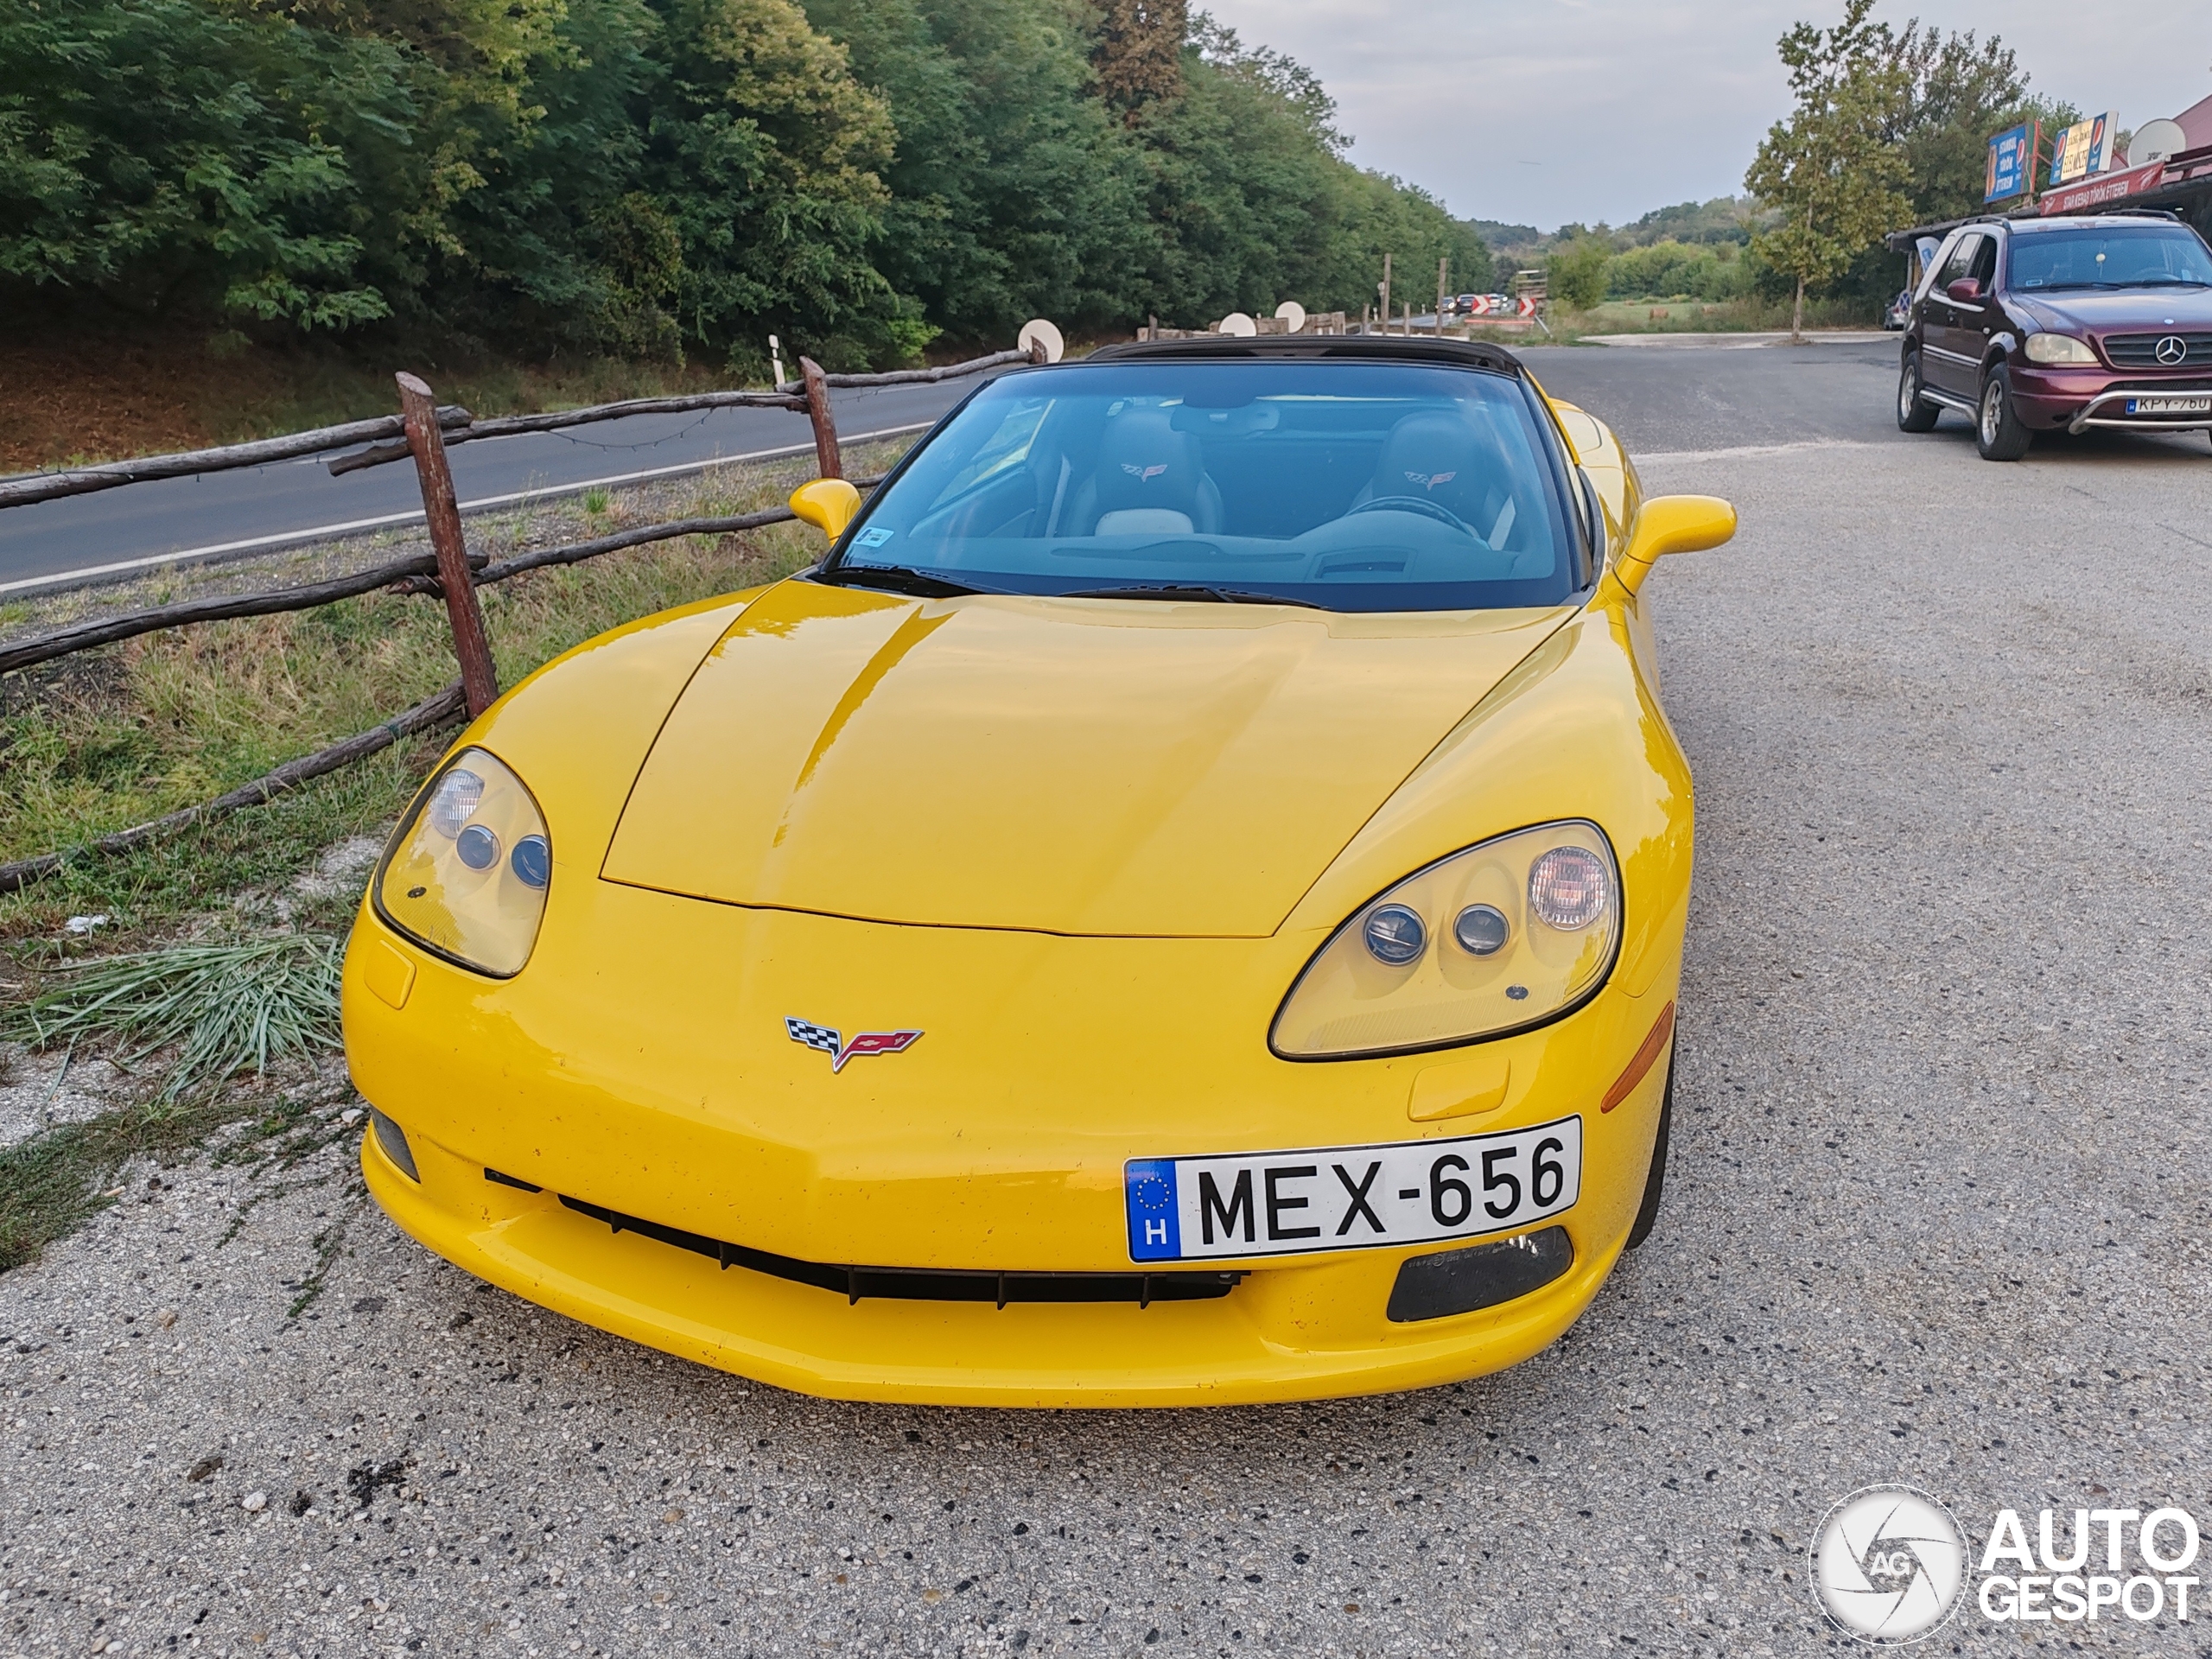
(1184,903)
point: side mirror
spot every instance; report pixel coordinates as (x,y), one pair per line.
(1672,523)
(828,504)
(1966,290)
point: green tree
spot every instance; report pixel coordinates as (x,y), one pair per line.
(1139,52)
(1833,168)
(164,157)
(1015,193)
(1575,276)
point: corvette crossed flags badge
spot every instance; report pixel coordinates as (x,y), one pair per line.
(827,1039)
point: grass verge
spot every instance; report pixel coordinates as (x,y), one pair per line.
(96,742)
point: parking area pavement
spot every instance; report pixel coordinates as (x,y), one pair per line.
(1936,1212)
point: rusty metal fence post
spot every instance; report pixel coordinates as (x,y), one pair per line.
(827,460)
(478,679)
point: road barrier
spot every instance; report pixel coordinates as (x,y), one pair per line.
(427,429)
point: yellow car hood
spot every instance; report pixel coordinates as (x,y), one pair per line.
(1077,767)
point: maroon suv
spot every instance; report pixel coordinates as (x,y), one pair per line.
(2033,325)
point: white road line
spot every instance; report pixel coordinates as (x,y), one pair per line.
(1751,451)
(321,531)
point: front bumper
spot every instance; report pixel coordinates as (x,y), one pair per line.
(664,1086)
(1269,1340)
(2077,399)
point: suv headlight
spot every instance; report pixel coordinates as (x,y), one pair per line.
(1508,934)
(467,872)
(2059,348)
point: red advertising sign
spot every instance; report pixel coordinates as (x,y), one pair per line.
(2107,186)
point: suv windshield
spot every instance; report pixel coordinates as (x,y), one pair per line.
(1348,486)
(2153,257)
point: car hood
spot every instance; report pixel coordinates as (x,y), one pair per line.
(1074,766)
(2126,311)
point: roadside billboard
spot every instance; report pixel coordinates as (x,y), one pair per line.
(2084,148)
(2011,164)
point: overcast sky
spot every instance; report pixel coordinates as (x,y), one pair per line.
(1540,111)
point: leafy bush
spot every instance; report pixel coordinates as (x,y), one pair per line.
(1665,269)
(1575,274)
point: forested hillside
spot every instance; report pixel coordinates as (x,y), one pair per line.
(675,178)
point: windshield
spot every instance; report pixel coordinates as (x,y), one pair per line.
(2153,257)
(1348,486)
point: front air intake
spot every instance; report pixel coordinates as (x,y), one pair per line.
(928,1284)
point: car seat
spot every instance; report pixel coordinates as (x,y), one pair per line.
(1151,481)
(1443,459)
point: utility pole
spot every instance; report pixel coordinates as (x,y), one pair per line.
(1386,293)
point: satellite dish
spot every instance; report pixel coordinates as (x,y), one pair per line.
(1293,315)
(1039,331)
(1238,324)
(2156,141)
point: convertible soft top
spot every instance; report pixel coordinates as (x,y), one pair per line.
(1365,348)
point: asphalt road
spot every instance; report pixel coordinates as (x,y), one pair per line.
(143,524)
(1936,1212)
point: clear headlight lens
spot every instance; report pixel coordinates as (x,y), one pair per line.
(1506,935)
(2059,348)
(466,874)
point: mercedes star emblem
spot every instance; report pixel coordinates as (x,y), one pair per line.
(2172,349)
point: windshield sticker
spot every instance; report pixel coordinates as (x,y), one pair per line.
(875,537)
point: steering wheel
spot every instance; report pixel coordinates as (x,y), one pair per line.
(1416,504)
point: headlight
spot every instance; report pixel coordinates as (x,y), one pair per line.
(1503,936)
(466,875)
(2059,348)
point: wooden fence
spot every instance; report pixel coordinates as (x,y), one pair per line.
(423,430)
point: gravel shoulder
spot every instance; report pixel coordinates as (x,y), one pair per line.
(1935,1213)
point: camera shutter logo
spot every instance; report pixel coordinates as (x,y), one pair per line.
(1888,1565)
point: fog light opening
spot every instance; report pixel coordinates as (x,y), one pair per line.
(391,1140)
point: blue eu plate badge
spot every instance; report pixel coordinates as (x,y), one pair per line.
(1154,1229)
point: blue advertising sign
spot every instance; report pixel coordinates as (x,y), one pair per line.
(2012,161)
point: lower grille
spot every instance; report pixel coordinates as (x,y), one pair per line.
(2141,351)
(928,1284)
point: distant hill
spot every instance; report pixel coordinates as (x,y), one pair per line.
(1724,219)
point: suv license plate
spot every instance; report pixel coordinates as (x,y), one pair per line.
(2169,405)
(1351,1198)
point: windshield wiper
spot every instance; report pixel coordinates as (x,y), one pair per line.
(1190,590)
(898,579)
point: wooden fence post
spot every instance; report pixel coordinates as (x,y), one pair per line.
(827,460)
(478,678)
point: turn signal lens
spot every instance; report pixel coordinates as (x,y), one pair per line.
(1506,935)
(458,795)
(448,881)
(2059,348)
(1568,888)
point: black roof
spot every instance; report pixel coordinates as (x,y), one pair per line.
(1366,348)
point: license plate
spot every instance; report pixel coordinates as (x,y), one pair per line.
(2169,405)
(1351,1198)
